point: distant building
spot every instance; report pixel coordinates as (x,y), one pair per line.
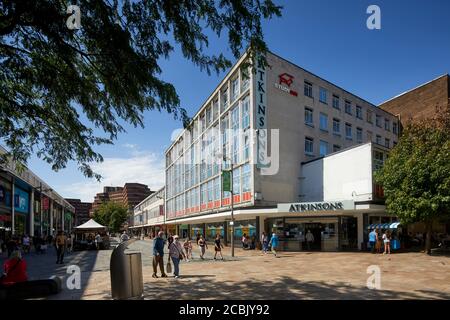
(129,196)
(420,102)
(81,210)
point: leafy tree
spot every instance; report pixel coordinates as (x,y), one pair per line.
(416,176)
(57,85)
(112,215)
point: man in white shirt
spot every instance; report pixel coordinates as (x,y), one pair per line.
(309,239)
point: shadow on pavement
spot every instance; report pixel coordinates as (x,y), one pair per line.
(283,288)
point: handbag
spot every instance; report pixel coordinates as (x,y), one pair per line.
(169,267)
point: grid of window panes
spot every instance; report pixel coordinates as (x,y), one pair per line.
(220,133)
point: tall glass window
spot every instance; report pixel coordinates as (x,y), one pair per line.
(323,148)
(336,102)
(348,131)
(246,177)
(234,89)
(309,146)
(323,95)
(323,122)
(246,112)
(359,134)
(348,107)
(336,126)
(359,112)
(237,180)
(308,89)
(308,116)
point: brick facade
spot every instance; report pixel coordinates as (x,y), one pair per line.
(420,102)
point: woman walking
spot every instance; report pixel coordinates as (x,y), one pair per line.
(265,242)
(176,254)
(387,242)
(203,246)
(188,248)
(218,247)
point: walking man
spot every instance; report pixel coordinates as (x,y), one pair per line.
(373,240)
(158,254)
(274,243)
(60,243)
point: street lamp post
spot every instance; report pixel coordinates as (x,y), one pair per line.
(225,158)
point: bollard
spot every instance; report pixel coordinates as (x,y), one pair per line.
(126,273)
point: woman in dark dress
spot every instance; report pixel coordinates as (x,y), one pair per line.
(218,247)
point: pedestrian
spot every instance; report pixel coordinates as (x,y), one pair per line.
(98,241)
(309,239)
(203,246)
(11,246)
(124,237)
(69,243)
(26,244)
(169,240)
(387,242)
(274,243)
(244,241)
(373,238)
(60,242)
(188,248)
(176,254)
(198,237)
(218,247)
(158,255)
(265,242)
(14,270)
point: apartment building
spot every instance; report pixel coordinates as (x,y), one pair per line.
(149,215)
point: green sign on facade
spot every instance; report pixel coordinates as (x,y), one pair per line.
(226,180)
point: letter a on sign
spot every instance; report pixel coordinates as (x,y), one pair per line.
(374,20)
(74,20)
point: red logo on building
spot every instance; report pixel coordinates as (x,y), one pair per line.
(285,81)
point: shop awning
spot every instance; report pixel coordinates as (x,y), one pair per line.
(393,225)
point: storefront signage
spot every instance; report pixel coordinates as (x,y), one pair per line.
(261,113)
(284,84)
(21,200)
(316,206)
(45,203)
(226,181)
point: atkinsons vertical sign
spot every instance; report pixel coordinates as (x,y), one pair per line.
(261,112)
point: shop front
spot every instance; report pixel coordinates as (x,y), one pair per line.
(5,208)
(21,211)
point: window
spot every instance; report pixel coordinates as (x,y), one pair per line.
(246,113)
(336,102)
(246,150)
(203,122)
(245,79)
(369,136)
(208,116)
(369,116)
(323,95)
(337,126)
(217,188)
(395,128)
(378,159)
(234,89)
(323,122)
(308,89)
(224,96)
(378,120)
(215,109)
(387,125)
(359,112)
(246,177)
(378,140)
(348,131)
(336,147)
(348,107)
(237,181)
(323,148)
(359,135)
(387,143)
(308,116)
(309,146)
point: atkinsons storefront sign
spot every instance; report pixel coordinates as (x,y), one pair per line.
(316,206)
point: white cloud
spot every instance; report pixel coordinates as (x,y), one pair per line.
(142,167)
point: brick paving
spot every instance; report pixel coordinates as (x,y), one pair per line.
(252,275)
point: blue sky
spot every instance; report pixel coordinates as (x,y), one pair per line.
(328,38)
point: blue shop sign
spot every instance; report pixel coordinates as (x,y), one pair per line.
(21,200)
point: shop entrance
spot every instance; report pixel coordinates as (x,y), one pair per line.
(20,224)
(316,231)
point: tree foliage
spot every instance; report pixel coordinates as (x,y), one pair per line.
(112,215)
(416,176)
(57,85)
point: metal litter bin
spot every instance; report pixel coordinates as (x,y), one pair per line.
(126,273)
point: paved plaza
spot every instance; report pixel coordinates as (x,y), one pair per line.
(252,275)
